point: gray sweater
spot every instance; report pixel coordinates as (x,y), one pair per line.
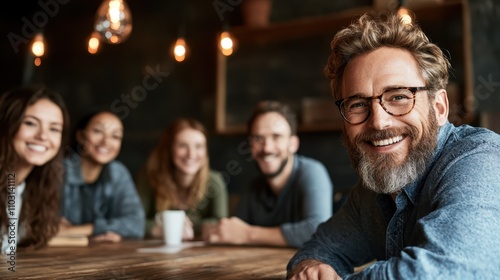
(304,202)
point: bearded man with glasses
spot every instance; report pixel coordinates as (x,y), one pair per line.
(427,205)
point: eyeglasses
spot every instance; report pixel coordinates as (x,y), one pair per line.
(395,101)
(259,140)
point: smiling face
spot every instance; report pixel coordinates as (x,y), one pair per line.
(389,151)
(38,139)
(271,143)
(102,138)
(189,151)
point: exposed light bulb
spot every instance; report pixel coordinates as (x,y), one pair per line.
(180,50)
(94,43)
(38,46)
(404,16)
(113,21)
(226,43)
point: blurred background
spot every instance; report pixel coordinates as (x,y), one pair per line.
(279,54)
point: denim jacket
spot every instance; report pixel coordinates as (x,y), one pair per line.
(115,205)
(445,225)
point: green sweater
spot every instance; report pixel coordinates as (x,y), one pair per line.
(213,207)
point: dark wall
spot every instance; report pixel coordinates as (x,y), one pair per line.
(114,78)
(138,79)
(485,20)
(116,74)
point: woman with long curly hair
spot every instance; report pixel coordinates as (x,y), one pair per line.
(34,124)
(178,176)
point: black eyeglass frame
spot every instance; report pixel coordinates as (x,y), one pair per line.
(413,90)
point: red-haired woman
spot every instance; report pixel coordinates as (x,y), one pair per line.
(178,176)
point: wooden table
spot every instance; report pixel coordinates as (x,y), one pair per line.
(125,261)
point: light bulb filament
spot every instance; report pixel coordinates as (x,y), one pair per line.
(115,8)
(113,21)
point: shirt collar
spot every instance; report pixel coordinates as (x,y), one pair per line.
(413,190)
(73,172)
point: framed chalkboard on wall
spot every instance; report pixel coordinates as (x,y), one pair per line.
(285,61)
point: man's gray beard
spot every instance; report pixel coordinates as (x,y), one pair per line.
(382,174)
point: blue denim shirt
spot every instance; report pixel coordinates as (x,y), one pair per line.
(445,225)
(110,204)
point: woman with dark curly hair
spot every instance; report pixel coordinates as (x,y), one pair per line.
(33,124)
(99,196)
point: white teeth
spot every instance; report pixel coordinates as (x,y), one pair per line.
(190,162)
(103,150)
(268,158)
(388,141)
(38,148)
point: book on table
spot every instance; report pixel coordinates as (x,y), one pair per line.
(69,241)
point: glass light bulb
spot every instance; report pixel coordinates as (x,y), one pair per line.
(226,44)
(180,50)
(94,43)
(404,16)
(38,46)
(113,21)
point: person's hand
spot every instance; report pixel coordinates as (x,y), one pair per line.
(187,231)
(68,229)
(64,224)
(230,231)
(157,231)
(208,229)
(107,237)
(312,270)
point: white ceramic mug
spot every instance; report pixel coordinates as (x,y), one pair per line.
(173,224)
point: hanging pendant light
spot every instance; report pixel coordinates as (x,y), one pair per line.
(113,21)
(180,50)
(93,44)
(405,16)
(226,43)
(38,48)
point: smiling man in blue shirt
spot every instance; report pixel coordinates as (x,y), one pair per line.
(428,202)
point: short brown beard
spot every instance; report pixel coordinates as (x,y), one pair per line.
(381,173)
(277,172)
